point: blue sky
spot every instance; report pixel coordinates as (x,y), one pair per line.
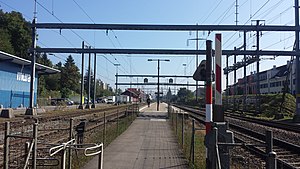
(275,12)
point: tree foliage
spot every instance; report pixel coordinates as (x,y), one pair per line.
(15,39)
(184,95)
(15,34)
(70,77)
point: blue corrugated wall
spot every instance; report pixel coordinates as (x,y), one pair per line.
(14,85)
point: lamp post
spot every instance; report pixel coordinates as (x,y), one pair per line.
(184,70)
(117,65)
(158,94)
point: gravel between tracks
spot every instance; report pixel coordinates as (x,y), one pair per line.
(292,137)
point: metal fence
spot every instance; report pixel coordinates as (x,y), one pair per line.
(54,143)
(191,138)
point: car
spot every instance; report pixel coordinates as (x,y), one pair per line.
(101,100)
(61,101)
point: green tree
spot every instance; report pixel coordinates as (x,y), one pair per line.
(70,77)
(44,60)
(5,44)
(18,33)
(184,95)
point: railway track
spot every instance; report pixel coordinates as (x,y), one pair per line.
(54,128)
(288,153)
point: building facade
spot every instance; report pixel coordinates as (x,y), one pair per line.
(15,80)
(271,81)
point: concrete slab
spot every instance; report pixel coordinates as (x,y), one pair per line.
(7,113)
(148,143)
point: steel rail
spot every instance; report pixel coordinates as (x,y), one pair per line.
(295,149)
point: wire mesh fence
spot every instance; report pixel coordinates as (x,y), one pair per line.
(190,137)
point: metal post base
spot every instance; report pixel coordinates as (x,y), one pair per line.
(88,106)
(31,111)
(296,118)
(93,106)
(81,107)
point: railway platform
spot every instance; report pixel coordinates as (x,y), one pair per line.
(148,143)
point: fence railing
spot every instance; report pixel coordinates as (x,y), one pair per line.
(191,138)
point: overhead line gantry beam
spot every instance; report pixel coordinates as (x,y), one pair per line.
(162,51)
(155,76)
(155,84)
(164,27)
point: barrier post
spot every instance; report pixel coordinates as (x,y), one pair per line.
(70,138)
(182,129)
(6,145)
(271,155)
(100,158)
(118,121)
(34,150)
(176,117)
(104,128)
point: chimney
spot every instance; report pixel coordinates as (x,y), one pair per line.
(274,67)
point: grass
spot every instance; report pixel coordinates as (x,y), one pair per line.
(270,105)
(199,155)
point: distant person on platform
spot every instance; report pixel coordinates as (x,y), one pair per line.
(148,102)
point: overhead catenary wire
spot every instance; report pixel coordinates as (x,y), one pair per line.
(107,34)
(79,64)
(52,13)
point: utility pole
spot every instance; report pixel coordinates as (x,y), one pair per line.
(234,82)
(197,44)
(236,12)
(227,82)
(158,92)
(297,114)
(95,83)
(245,74)
(257,71)
(82,80)
(88,106)
(116,94)
(31,109)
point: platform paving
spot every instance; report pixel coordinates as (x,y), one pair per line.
(148,143)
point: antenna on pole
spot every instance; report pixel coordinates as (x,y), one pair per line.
(236,12)
(35,10)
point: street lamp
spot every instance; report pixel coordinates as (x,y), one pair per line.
(117,65)
(158,94)
(184,70)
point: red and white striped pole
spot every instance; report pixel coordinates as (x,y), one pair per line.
(218,115)
(209,106)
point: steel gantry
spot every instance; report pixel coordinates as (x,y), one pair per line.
(140,27)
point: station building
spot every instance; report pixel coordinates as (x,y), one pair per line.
(15,80)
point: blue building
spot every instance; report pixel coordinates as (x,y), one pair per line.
(15,80)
